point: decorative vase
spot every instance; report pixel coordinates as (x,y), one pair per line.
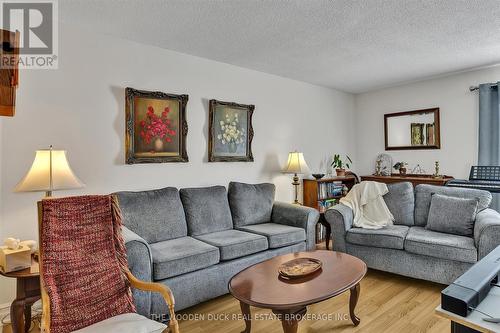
(158,145)
(340,172)
(402,171)
(232,147)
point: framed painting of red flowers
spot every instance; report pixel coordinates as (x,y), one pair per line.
(230,132)
(156,127)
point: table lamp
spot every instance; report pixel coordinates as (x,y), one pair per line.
(49,172)
(296,165)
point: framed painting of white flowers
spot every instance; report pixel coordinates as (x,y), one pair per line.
(230,132)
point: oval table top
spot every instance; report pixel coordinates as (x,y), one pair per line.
(260,285)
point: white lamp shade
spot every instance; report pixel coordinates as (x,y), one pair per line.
(50,171)
(296,163)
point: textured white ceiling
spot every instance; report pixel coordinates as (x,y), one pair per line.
(351,45)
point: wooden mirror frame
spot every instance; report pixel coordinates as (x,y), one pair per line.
(437,127)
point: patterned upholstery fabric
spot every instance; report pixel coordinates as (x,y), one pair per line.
(83,255)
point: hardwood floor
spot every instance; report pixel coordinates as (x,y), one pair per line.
(387,303)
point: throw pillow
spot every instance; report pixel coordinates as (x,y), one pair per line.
(251,203)
(452,215)
(401,202)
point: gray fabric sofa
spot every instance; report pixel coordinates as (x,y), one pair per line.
(408,248)
(194,240)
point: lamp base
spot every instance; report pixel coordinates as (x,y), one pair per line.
(296,185)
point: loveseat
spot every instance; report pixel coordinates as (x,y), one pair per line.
(410,247)
(194,240)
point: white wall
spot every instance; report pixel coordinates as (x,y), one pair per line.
(80,108)
(459,121)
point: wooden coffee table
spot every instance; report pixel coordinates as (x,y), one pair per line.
(261,286)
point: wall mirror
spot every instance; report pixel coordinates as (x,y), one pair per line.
(417,129)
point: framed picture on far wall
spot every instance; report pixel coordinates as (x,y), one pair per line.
(156,127)
(230,132)
(417,134)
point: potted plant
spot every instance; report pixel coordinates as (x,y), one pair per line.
(338,164)
(401,166)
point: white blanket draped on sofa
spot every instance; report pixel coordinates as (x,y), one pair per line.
(367,202)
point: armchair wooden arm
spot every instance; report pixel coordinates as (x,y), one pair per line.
(163,290)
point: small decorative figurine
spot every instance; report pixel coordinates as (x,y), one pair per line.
(378,167)
(436,173)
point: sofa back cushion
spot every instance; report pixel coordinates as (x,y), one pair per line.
(251,203)
(155,215)
(452,215)
(401,203)
(207,209)
(423,194)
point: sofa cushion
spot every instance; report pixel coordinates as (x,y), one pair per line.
(439,245)
(423,194)
(452,215)
(278,235)
(235,243)
(392,236)
(251,203)
(401,202)
(155,215)
(207,209)
(181,255)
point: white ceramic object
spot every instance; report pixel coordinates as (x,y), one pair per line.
(32,244)
(12,243)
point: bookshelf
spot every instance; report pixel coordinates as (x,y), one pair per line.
(321,194)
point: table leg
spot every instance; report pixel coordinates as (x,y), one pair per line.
(16,316)
(247,316)
(27,317)
(290,319)
(328,230)
(353,300)
(28,304)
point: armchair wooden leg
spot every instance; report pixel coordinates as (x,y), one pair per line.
(173,324)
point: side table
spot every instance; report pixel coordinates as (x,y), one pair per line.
(27,293)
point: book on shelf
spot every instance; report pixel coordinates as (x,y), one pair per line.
(323,205)
(329,190)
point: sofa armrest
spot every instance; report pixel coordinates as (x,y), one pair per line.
(297,216)
(140,264)
(340,218)
(486,232)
